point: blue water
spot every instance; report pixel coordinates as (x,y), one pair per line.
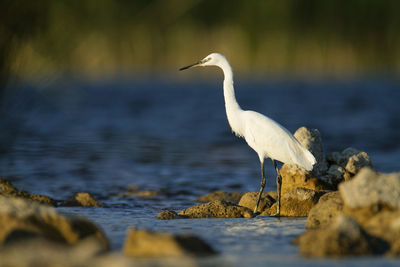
(171,136)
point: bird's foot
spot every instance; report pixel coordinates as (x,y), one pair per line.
(278,214)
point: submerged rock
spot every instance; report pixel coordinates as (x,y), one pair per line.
(249,200)
(133,191)
(217,209)
(324,212)
(296,203)
(344,237)
(221,195)
(21,219)
(8,190)
(144,243)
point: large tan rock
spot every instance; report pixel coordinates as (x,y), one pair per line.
(249,200)
(370,189)
(217,209)
(8,190)
(324,212)
(144,243)
(20,219)
(221,195)
(296,203)
(344,237)
(294,176)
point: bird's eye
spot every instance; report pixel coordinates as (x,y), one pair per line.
(208,59)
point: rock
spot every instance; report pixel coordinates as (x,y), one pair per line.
(169,215)
(351,159)
(357,162)
(8,190)
(86,200)
(133,190)
(42,252)
(249,200)
(221,195)
(370,189)
(143,243)
(344,237)
(296,203)
(217,209)
(21,219)
(386,225)
(311,139)
(327,208)
(81,200)
(294,176)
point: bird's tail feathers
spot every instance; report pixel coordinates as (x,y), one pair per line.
(307,160)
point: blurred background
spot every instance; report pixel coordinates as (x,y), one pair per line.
(91,100)
(92,86)
(276,37)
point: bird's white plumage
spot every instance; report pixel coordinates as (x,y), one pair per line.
(267,137)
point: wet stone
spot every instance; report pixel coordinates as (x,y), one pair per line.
(249,200)
(20,219)
(217,209)
(170,215)
(296,203)
(143,243)
(8,190)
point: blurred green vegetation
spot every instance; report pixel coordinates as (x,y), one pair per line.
(112,37)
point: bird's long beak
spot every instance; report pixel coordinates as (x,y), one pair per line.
(192,65)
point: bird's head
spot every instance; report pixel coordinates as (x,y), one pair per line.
(213,59)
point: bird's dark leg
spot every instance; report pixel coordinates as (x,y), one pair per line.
(278,187)
(262,186)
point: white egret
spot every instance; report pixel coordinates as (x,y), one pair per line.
(267,137)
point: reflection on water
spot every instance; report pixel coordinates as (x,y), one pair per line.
(173,138)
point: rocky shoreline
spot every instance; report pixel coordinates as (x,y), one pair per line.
(351,210)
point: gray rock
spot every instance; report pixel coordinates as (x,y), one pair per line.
(369,188)
(357,161)
(311,139)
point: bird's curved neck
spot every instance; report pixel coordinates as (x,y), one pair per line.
(231,105)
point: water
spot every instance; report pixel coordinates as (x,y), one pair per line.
(172,137)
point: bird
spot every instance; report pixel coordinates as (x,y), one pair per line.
(265,136)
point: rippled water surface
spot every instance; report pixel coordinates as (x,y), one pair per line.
(172,137)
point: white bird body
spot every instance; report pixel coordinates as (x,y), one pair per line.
(267,137)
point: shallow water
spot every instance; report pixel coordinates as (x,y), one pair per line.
(173,137)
